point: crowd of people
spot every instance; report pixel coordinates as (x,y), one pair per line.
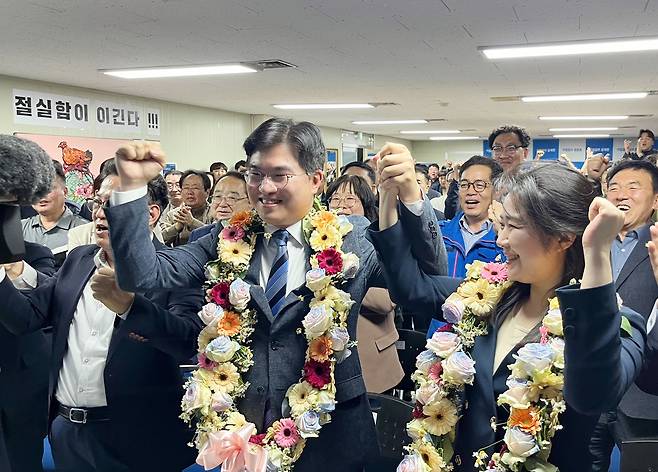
(241,273)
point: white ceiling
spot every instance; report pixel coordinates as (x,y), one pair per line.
(420,54)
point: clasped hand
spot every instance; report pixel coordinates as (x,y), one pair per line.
(397,173)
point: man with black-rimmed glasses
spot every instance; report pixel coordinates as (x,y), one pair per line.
(470,235)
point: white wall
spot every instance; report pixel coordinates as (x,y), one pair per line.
(443,151)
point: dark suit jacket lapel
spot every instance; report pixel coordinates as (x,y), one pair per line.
(298,294)
(252,277)
(638,255)
(114,340)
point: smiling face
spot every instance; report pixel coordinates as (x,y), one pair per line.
(475,203)
(530,260)
(284,204)
(631,191)
(228,198)
(646,142)
(507,151)
(346,202)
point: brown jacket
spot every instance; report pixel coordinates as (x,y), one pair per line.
(376,336)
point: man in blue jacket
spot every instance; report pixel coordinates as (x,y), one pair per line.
(470,235)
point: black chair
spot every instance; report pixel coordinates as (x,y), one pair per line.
(392,416)
(410,344)
(639,456)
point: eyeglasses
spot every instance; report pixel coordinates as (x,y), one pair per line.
(256,179)
(230,201)
(478,185)
(349,200)
(509,149)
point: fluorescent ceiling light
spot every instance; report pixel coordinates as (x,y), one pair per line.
(585,96)
(557,130)
(390,122)
(452,138)
(571,48)
(584,118)
(581,135)
(323,106)
(447,131)
(179,71)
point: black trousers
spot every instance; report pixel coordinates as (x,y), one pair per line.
(23,425)
(613,428)
(84,447)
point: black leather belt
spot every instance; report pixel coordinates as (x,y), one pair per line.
(84,415)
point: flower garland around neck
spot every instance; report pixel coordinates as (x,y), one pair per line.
(223,435)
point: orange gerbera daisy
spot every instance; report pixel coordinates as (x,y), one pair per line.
(324,218)
(241,219)
(526,419)
(229,325)
(320,349)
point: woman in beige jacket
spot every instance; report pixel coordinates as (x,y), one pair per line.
(376,332)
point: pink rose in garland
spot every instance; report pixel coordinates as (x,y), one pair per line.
(318,374)
(257,439)
(219,294)
(494,272)
(232,233)
(206,363)
(330,260)
(287,434)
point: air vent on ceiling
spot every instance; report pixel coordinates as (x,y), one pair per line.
(269,64)
(435,120)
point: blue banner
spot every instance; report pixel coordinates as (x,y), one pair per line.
(600,145)
(549,146)
(486,151)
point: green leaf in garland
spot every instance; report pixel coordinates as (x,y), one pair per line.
(626,327)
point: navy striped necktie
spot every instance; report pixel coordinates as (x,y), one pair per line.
(275,291)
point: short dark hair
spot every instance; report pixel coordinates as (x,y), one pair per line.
(303,138)
(59,170)
(218,165)
(173,172)
(235,175)
(434,164)
(108,168)
(636,165)
(422,169)
(362,191)
(522,134)
(240,163)
(105,163)
(496,169)
(361,165)
(198,173)
(158,193)
(648,131)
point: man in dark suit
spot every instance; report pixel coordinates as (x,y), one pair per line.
(633,188)
(285,162)
(115,385)
(24,376)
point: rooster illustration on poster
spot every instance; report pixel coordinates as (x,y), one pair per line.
(79,180)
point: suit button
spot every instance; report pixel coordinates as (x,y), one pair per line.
(260,389)
(569,331)
(274,345)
